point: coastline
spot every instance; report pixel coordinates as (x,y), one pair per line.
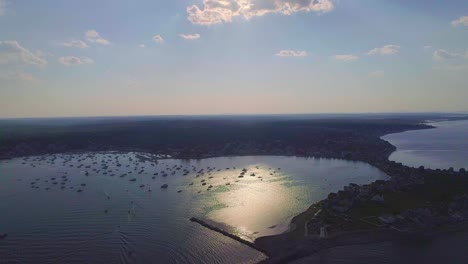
(445,147)
(347,238)
(293,244)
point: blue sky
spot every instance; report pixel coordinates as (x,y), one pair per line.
(114,57)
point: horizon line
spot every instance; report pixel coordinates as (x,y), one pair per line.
(243,115)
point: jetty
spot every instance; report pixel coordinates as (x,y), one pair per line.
(225,233)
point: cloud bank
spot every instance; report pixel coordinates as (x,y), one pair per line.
(224,11)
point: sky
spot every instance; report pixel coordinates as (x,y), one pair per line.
(194,57)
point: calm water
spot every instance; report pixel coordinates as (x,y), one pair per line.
(116,220)
(440,148)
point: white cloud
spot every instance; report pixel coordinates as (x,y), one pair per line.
(12,53)
(190,36)
(158,39)
(461,21)
(376,74)
(2,7)
(346,57)
(427,47)
(385,50)
(442,54)
(94,37)
(291,53)
(223,11)
(142,46)
(72,60)
(75,44)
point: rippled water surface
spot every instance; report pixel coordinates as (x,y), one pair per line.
(85,208)
(440,148)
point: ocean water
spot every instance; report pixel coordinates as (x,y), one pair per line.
(440,148)
(85,208)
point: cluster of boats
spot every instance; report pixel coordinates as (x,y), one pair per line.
(133,166)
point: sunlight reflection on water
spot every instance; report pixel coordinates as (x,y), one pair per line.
(116,219)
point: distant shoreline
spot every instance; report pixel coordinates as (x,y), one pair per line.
(416,156)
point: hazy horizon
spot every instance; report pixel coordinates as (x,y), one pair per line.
(232,57)
(253,115)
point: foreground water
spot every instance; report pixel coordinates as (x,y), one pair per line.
(440,148)
(110,208)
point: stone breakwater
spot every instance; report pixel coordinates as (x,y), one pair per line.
(225,233)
